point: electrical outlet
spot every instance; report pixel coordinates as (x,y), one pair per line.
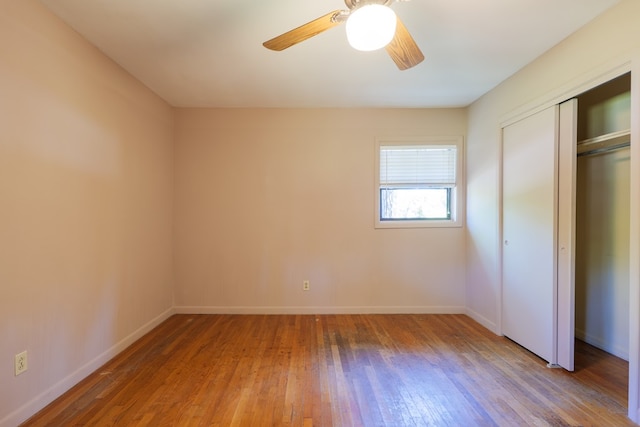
(21,362)
(305,285)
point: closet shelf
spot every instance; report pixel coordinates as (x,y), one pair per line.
(606,142)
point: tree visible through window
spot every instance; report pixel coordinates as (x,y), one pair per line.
(414,203)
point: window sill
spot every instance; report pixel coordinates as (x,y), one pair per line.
(418,224)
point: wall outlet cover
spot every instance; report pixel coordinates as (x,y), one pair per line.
(21,362)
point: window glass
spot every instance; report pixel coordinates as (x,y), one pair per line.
(414,203)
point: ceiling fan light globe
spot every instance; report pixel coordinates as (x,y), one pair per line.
(371,27)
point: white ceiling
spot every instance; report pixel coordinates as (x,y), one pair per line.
(209,53)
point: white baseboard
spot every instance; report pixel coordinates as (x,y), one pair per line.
(43,399)
(321,310)
(602,344)
(482,320)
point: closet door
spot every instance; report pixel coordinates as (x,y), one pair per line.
(529,220)
(567,192)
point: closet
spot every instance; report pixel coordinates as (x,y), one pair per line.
(565,225)
(602,217)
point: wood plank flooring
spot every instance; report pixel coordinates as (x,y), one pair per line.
(340,370)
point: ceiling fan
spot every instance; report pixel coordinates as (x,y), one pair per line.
(371,14)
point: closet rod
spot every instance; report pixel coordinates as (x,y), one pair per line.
(604,149)
(604,143)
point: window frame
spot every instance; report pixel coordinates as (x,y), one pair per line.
(457,192)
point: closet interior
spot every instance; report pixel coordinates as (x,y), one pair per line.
(602,217)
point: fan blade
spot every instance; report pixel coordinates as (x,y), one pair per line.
(303,32)
(403,49)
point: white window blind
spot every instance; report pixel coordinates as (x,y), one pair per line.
(418,165)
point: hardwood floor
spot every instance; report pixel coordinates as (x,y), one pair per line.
(340,370)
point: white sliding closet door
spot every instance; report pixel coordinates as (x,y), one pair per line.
(567,192)
(529,191)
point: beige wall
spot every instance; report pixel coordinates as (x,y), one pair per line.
(610,40)
(265,199)
(85,207)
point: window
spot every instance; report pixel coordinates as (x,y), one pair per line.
(418,182)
